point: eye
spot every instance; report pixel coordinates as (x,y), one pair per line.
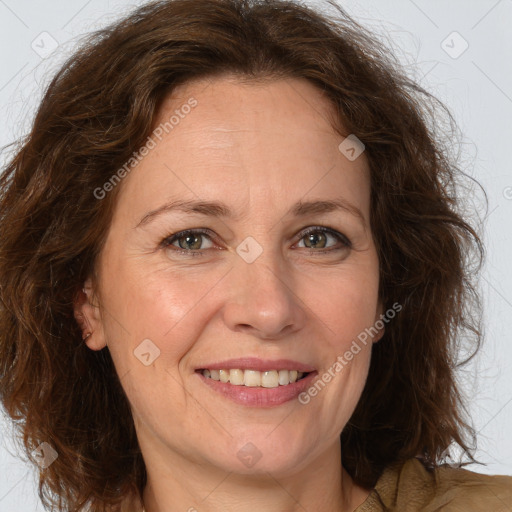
(191,241)
(319,235)
(188,242)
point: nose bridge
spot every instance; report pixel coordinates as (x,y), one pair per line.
(261,267)
(262,291)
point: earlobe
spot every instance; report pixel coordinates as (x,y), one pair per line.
(379,324)
(379,336)
(87,314)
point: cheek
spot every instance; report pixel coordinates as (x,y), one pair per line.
(346,302)
(167,305)
(149,304)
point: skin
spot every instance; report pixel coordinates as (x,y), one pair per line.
(259,148)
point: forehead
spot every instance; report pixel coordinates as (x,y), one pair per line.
(226,106)
(272,141)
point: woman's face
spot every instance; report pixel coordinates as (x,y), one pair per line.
(272,273)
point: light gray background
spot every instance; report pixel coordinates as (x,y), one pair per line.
(477,87)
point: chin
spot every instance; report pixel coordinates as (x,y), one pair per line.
(259,453)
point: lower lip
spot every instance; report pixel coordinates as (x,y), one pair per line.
(258,396)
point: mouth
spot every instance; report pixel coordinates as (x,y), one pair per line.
(256,382)
(254,378)
(254,388)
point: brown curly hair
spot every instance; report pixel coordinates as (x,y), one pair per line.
(100,107)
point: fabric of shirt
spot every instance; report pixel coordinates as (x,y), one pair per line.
(410,487)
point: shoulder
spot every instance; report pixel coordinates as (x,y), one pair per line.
(411,487)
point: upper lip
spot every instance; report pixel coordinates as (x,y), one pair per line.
(255,363)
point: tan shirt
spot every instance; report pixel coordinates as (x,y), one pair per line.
(410,487)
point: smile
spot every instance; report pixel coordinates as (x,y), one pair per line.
(255,378)
(257,389)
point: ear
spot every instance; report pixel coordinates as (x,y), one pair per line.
(379,323)
(87,314)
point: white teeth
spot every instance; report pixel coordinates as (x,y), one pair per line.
(236,377)
(283,377)
(270,379)
(254,378)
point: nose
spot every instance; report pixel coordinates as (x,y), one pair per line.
(261,299)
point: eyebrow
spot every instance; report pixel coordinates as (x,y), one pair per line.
(219,209)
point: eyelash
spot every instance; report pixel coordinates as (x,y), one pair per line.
(168,241)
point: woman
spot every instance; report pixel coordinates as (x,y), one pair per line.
(234,273)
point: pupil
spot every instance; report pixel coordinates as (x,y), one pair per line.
(188,239)
(313,237)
